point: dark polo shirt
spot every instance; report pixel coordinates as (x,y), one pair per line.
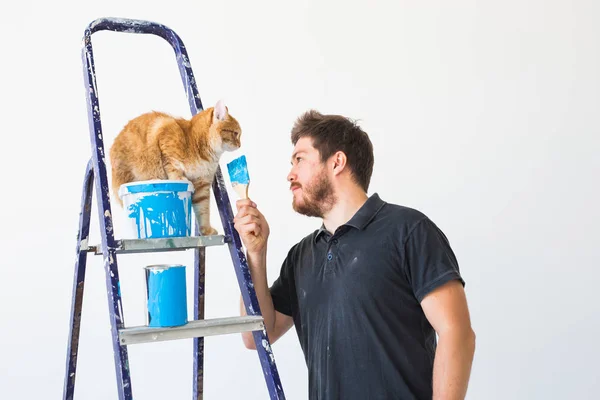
(355,300)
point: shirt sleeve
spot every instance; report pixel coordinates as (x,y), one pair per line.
(430,262)
(282,288)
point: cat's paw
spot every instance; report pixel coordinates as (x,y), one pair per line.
(208,231)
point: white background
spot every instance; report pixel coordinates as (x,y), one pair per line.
(483,115)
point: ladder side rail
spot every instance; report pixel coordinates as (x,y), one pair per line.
(105,221)
(261,340)
(198,342)
(78,282)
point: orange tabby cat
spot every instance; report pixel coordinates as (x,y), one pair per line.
(156,145)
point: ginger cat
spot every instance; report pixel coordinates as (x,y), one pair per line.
(156,145)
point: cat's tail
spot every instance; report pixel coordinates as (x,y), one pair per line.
(115,191)
(120,172)
(120,176)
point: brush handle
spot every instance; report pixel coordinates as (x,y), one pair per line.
(241,190)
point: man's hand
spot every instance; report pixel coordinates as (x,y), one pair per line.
(254,232)
(252,226)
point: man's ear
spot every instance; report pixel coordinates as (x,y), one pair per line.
(338,160)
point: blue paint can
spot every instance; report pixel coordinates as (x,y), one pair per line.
(158,208)
(166,295)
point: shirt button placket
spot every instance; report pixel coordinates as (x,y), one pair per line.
(330,252)
(329,264)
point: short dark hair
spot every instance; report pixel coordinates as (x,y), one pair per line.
(331,133)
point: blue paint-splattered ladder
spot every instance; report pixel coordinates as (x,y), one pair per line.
(110,247)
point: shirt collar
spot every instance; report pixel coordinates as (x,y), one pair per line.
(362,217)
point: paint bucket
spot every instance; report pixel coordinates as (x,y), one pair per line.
(166,295)
(158,208)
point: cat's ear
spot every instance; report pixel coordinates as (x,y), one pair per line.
(220,111)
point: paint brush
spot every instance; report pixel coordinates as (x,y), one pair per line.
(238,175)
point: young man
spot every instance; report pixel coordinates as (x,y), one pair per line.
(369,290)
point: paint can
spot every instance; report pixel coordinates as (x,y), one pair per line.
(158,208)
(166,295)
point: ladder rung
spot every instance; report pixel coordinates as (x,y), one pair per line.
(161,244)
(198,328)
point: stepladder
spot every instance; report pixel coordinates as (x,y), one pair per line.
(110,247)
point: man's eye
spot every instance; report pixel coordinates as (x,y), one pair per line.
(298,159)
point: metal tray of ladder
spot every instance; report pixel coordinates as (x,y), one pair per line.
(109,248)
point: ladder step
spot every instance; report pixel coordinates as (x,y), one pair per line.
(160,244)
(198,328)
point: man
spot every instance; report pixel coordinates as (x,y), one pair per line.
(369,290)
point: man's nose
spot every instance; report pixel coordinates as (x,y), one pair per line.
(291,177)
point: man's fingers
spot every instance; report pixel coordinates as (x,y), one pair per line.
(242,202)
(249,222)
(242,220)
(241,223)
(245,202)
(247,210)
(251,228)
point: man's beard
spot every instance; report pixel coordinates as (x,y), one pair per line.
(318,198)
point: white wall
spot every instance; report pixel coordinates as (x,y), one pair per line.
(483,115)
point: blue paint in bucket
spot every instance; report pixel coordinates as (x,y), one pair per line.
(158,208)
(166,295)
